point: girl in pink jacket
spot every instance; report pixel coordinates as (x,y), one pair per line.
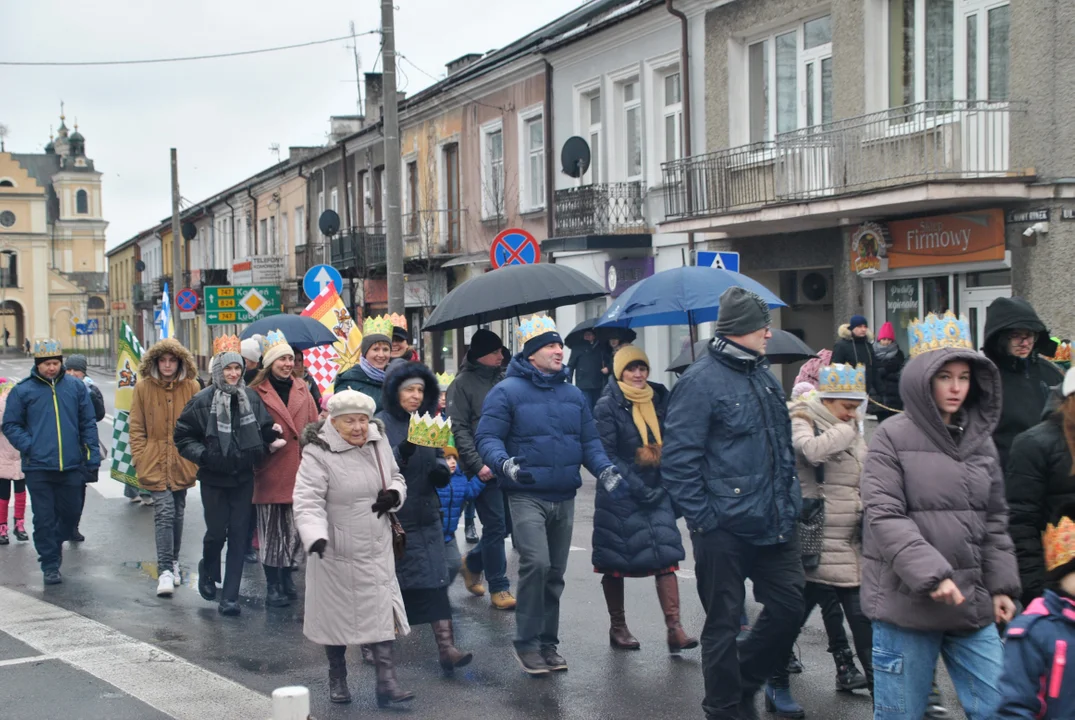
(11,472)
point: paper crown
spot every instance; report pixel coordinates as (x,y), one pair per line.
(380,325)
(398,320)
(429,431)
(536,325)
(47,349)
(1063,352)
(227,343)
(938,332)
(444,380)
(840,378)
(275,338)
(1059,543)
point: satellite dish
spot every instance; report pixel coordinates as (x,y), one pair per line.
(329,223)
(190,230)
(139,265)
(575,157)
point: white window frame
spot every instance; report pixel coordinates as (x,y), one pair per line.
(300,226)
(623,109)
(488,204)
(334,200)
(592,132)
(531,199)
(351,200)
(320,203)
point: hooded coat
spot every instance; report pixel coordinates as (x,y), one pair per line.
(889,364)
(934,506)
(352,595)
(155,409)
(1026,383)
(274,478)
(466,395)
(630,537)
(1036,669)
(355,378)
(851,350)
(459,490)
(423,565)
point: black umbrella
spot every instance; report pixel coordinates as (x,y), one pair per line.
(301,332)
(512,292)
(783,347)
(574,337)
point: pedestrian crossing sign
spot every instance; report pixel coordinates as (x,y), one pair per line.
(719,260)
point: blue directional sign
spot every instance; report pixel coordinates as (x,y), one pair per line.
(719,260)
(320,276)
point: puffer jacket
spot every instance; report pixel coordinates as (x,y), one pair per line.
(545,421)
(465,399)
(1039,482)
(1026,383)
(820,440)
(851,350)
(1038,679)
(630,536)
(355,378)
(934,507)
(890,361)
(10,460)
(424,564)
(193,443)
(274,478)
(727,461)
(52,424)
(453,496)
(155,409)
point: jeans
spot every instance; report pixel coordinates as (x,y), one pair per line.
(722,562)
(831,598)
(227,518)
(452,559)
(543,538)
(488,555)
(904,661)
(168,510)
(57,502)
(828,598)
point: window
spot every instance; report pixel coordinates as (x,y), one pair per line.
(412,198)
(351,199)
(673,117)
(284,230)
(334,200)
(300,226)
(493,173)
(262,240)
(534,162)
(789,79)
(632,128)
(82,202)
(273,247)
(591,119)
(320,203)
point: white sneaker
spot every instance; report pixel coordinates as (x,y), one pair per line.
(146,500)
(165,584)
(176,577)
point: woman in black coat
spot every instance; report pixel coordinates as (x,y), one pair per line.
(636,535)
(411,387)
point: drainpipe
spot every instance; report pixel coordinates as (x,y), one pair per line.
(231,230)
(550,183)
(254,224)
(685,77)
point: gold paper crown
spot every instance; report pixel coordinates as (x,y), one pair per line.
(47,349)
(840,378)
(1059,543)
(936,333)
(380,325)
(444,380)
(227,343)
(398,320)
(1063,352)
(429,431)
(536,325)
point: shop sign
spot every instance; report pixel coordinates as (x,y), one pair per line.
(119,306)
(622,274)
(942,239)
(1028,216)
(1067,214)
(867,249)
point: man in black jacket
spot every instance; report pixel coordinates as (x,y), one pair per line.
(589,366)
(466,395)
(77,365)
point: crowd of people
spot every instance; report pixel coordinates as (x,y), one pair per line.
(926,538)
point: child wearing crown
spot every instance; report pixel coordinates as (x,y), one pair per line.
(1037,682)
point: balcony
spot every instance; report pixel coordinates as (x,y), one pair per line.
(357,250)
(603,209)
(143,296)
(433,233)
(935,141)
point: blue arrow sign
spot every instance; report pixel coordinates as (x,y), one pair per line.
(319,277)
(719,260)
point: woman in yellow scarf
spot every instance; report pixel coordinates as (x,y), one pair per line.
(636,535)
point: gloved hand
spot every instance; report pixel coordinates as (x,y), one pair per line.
(386,500)
(440,476)
(612,481)
(277,429)
(513,469)
(319,548)
(647,496)
(276,444)
(406,449)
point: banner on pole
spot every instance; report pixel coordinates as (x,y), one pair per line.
(129,356)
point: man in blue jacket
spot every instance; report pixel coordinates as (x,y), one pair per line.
(49,419)
(535,431)
(729,467)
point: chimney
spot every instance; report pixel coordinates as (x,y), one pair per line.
(374,94)
(343,125)
(299,153)
(459,63)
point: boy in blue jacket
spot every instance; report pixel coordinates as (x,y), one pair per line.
(1037,683)
(453,496)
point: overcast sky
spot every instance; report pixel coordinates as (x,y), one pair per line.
(222,115)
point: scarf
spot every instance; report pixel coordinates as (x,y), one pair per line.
(885,353)
(371,372)
(221,425)
(642,411)
(282,387)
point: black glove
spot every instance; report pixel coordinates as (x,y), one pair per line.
(440,476)
(406,449)
(647,496)
(319,548)
(386,500)
(513,469)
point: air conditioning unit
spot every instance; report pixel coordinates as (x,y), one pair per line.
(813,287)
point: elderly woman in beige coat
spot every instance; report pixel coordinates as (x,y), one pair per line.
(347,485)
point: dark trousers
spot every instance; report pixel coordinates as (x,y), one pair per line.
(227,519)
(722,562)
(488,555)
(57,503)
(827,598)
(832,599)
(592,395)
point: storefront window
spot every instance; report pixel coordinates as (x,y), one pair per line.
(990,278)
(935,293)
(901,307)
(447,354)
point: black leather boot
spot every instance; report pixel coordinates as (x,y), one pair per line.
(337,674)
(388,689)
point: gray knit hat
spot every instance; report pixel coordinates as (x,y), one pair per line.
(741,313)
(76,362)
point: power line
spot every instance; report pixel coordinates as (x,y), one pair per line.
(461,92)
(88,63)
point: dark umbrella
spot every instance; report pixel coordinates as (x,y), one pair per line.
(575,336)
(302,332)
(512,292)
(783,347)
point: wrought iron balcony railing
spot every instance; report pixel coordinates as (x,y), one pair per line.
(430,233)
(602,209)
(357,250)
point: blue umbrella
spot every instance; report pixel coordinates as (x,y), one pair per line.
(683,296)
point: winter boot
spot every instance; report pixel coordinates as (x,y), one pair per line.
(388,689)
(778,700)
(3,534)
(450,656)
(618,635)
(471,533)
(668,593)
(337,674)
(20,530)
(795,665)
(848,677)
(367,655)
(287,584)
(274,593)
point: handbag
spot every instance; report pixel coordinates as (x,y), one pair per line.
(812,523)
(399,535)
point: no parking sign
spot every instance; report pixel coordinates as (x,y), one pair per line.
(514,246)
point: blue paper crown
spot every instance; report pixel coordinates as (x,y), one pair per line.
(937,332)
(47,349)
(536,325)
(274,337)
(842,379)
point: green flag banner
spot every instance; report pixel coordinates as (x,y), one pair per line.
(128,359)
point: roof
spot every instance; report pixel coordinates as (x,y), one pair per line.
(41,167)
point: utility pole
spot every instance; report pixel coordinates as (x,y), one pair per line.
(358,71)
(394,240)
(177,258)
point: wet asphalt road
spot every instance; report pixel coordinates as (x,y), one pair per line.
(110,579)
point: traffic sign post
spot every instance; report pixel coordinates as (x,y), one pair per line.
(317,277)
(186,300)
(719,260)
(514,246)
(226,304)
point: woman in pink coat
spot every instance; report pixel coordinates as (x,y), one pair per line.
(11,472)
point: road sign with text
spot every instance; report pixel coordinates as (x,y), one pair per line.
(226,304)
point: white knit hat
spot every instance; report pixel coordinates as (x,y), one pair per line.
(251,348)
(351,402)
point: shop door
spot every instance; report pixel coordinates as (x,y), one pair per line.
(973,304)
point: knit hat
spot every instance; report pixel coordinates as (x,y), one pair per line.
(76,362)
(369,341)
(451,452)
(483,343)
(856,321)
(741,313)
(801,389)
(47,350)
(325,397)
(276,347)
(251,348)
(376,330)
(416,380)
(536,333)
(887,332)
(626,355)
(351,402)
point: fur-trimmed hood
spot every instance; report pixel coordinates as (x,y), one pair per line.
(845,332)
(148,367)
(311,434)
(397,374)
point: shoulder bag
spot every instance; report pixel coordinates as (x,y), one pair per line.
(399,535)
(812,522)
